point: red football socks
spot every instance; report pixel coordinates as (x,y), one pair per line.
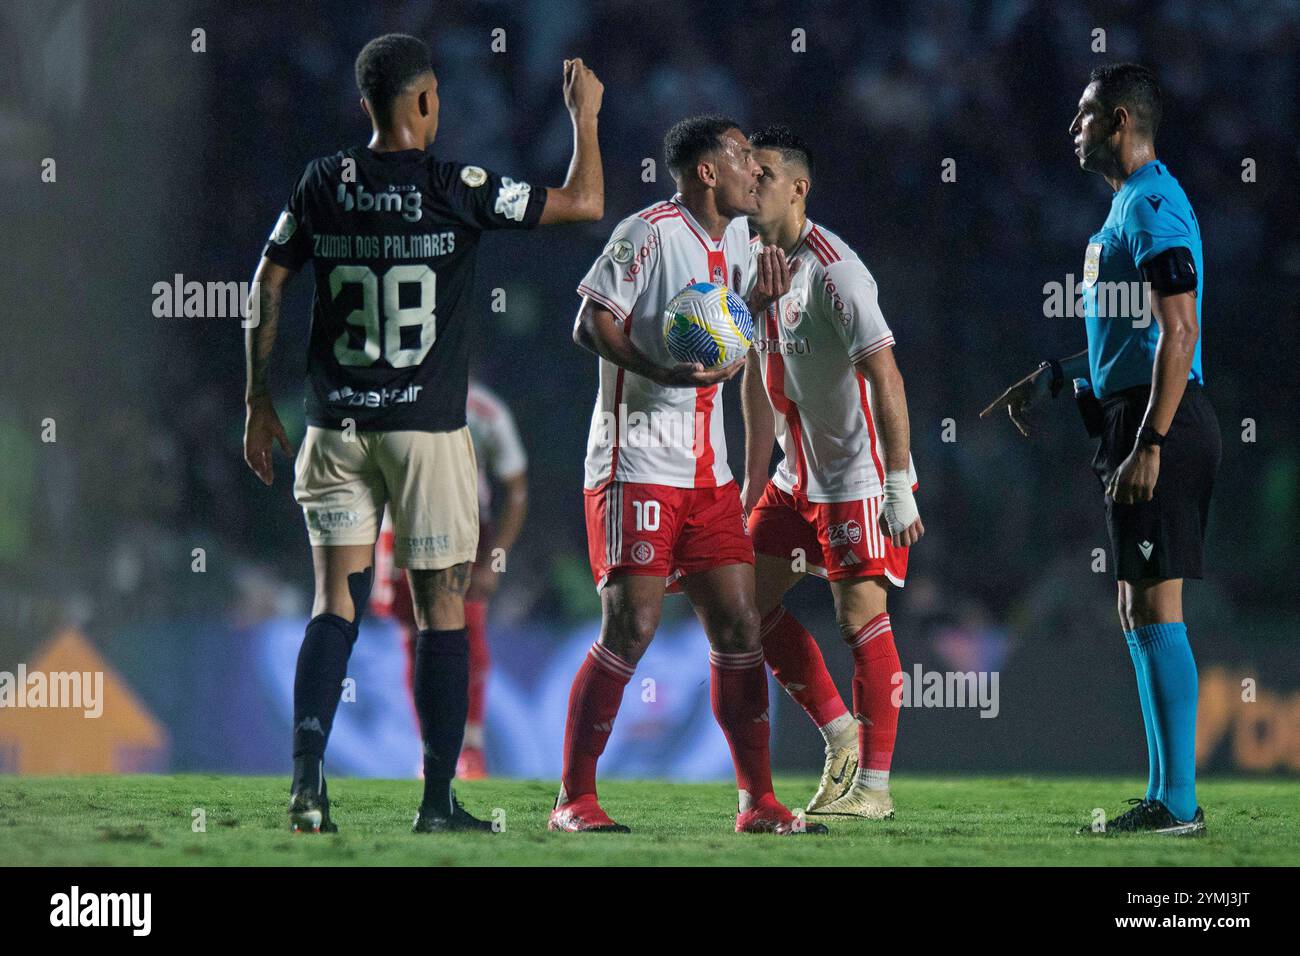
(875,662)
(739,695)
(476,628)
(797,664)
(593,704)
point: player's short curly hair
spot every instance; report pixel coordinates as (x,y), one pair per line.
(691,138)
(1131,86)
(783,139)
(386,66)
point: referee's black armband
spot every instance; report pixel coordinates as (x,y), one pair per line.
(1171,272)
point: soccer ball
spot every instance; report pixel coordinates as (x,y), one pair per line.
(708,324)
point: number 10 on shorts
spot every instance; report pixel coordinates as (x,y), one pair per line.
(647,515)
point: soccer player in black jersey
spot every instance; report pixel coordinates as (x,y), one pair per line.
(392,232)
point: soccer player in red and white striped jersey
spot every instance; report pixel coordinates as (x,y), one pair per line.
(503,462)
(822,383)
(661,503)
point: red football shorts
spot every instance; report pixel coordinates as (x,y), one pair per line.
(666,532)
(837,540)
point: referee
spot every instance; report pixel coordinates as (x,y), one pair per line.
(1140,388)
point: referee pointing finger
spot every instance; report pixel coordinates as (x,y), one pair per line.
(1141,390)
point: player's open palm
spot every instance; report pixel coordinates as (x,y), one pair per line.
(262,431)
(583,92)
(1021,397)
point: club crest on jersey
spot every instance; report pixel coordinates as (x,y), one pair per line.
(1091,265)
(473,176)
(790,313)
(719,276)
(643,552)
(620,250)
(845,533)
(284,229)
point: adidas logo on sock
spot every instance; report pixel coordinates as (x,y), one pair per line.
(604,726)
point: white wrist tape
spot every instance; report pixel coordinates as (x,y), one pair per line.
(900,506)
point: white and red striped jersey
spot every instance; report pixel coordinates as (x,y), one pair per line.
(808,342)
(641,431)
(497,447)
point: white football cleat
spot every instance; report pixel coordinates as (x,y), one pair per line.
(837,775)
(858,801)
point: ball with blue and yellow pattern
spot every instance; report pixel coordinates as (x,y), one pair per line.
(708,324)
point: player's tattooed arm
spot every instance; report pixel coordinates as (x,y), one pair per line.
(597,330)
(760,431)
(262,426)
(899,517)
(1035,387)
(582,197)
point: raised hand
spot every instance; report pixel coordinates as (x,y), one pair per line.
(582,90)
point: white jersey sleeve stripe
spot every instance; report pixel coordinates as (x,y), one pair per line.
(871,349)
(604,301)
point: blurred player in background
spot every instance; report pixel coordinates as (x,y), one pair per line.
(1160,444)
(822,382)
(393,235)
(661,503)
(502,462)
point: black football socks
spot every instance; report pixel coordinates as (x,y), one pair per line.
(317,687)
(442,703)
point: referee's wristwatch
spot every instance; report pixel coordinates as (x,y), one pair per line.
(1149,436)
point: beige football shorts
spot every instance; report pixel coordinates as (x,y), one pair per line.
(428,479)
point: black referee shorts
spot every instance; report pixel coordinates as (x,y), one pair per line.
(1162,538)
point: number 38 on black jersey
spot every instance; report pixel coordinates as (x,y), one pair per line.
(393,238)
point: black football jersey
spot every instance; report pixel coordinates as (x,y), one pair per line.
(393,238)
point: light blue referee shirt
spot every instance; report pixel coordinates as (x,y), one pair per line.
(1148,215)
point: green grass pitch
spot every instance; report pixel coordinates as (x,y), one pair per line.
(1015,821)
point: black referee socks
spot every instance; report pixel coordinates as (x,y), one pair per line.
(317,687)
(442,703)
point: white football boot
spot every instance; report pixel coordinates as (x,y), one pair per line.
(858,801)
(837,776)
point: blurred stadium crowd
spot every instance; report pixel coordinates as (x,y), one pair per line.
(100,527)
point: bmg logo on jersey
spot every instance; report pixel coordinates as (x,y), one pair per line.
(407,201)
